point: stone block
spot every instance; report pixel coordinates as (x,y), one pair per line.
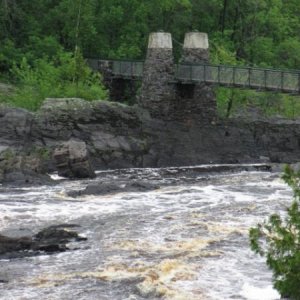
(196,40)
(162,40)
(72,160)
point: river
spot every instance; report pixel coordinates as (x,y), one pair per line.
(187,240)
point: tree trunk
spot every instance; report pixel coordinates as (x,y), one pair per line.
(223,16)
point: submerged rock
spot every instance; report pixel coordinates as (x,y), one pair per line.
(3,280)
(51,239)
(8,244)
(110,188)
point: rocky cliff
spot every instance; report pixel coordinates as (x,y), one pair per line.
(118,136)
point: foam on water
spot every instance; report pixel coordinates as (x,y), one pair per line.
(188,241)
(255,293)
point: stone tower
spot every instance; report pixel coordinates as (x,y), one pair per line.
(195,102)
(158,88)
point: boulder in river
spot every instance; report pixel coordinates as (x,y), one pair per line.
(9,244)
(51,239)
(111,188)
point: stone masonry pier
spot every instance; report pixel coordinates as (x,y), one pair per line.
(195,102)
(157,91)
(167,99)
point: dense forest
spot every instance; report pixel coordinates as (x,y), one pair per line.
(43,42)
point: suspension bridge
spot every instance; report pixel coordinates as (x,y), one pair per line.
(260,79)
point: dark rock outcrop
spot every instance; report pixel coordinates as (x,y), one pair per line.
(118,136)
(49,240)
(112,131)
(22,168)
(15,126)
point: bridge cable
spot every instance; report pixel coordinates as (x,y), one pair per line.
(180,48)
(177,42)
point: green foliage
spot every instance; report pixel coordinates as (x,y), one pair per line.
(8,54)
(42,47)
(63,76)
(288,53)
(253,32)
(278,239)
(257,31)
(42,153)
(232,101)
(222,49)
(7,155)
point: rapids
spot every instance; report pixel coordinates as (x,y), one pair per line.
(187,240)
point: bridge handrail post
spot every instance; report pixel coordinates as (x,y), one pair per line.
(118,67)
(219,70)
(191,69)
(282,81)
(249,74)
(204,73)
(299,82)
(131,69)
(233,75)
(265,79)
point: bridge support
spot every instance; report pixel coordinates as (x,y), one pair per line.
(120,89)
(195,102)
(158,88)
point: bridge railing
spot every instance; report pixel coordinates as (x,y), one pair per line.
(245,77)
(119,68)
(287,81)
(128,68)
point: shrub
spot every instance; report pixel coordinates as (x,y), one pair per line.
(62,76)
(278,239)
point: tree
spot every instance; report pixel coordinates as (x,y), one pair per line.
(278,239)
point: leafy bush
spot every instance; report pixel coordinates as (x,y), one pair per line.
(62,76)
(231,101)
(8,53)
(278,239)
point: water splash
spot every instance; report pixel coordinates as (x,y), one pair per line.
(186,241)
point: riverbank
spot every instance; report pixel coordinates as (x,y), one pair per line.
(119,136)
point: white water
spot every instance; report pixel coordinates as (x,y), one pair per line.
(186,241)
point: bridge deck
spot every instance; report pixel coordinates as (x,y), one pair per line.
(284,81)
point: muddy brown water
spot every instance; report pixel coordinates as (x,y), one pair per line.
(187,240)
